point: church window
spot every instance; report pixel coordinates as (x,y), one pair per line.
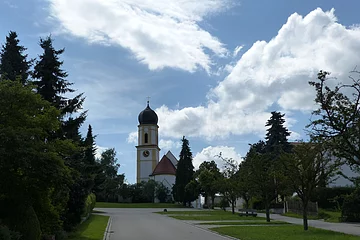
(146,138)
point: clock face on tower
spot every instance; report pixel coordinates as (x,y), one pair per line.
(146,153)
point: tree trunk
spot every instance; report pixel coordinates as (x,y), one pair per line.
(212,201)
(267,208)
(233,206)
(305,217)
(246,203)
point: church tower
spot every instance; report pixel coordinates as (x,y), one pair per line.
(148,148)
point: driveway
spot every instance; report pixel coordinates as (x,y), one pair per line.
(137,223)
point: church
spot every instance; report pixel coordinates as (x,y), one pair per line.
(148,164)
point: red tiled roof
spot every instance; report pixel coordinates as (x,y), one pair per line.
(165,166)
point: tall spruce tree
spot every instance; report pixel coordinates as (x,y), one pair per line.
(52,85)
(184,172)
(13,62)
(91,168)
(277,133)
(277,143)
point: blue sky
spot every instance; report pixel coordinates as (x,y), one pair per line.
(214,69)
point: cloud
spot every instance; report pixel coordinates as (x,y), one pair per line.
(154,31)
(132,138)
(270,74)
(210,154)
(166,145)
(99,151)
(237,50)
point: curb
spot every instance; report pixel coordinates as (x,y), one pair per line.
(107,230)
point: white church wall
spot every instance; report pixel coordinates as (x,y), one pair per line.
(167,180)
(145,170)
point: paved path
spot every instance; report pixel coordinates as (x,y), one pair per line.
(348,228)
(137,224)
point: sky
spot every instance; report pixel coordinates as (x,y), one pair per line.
(214,69)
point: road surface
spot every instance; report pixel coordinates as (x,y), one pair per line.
(137,223)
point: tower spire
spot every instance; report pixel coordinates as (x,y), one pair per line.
(148,101)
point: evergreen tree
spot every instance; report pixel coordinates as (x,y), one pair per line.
(277,143)
(184,172)
(13,61)
(52,85)
(277,133)
(90,147)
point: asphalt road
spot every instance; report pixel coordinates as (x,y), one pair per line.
(136,224)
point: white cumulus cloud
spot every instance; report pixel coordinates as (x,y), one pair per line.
(154,31)
(211,154)
(274,72)
(166,145)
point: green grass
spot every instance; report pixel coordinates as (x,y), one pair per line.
(208,215)
(281,233)
(243,223)
(136,205)
(96,211)
(328,216)
(92,229)
(295,215)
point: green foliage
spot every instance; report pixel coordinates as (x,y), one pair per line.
(277,133)
(22,219)
(331,197)
(7,234)
(306,169)
(292,232)
(261,175)
(338,120)
(93,228)
(351,207)
(89,205)
(162,193)
(184,173)
(192,191)
(108,181)
(13,61)
(229,183)
(209,177)
(24,135)
(224,203)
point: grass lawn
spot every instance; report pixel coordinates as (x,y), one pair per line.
(328,216)
(295,215)
(208,215)
(281,233)
(243,223)
(136,205)
(92,229)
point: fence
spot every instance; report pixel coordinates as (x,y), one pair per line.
(296,207)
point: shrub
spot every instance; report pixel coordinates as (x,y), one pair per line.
(89,205)
(351,207)
(23,220)
(331,197)
(224,203)
(7,234)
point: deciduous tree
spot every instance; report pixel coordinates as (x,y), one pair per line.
(338,116)
(306,168)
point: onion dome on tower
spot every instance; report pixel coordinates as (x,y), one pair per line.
(148,116)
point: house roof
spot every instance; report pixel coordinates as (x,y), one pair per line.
(164,167)
(172,158)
